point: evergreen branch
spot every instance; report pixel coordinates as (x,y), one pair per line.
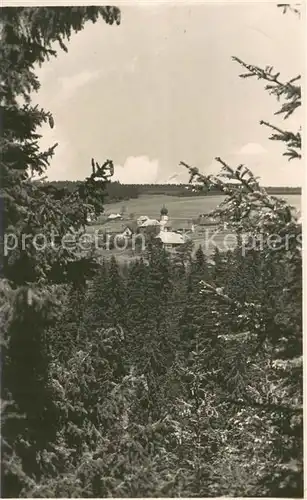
(290,92)
(288,7)
(285,135)
(268,75)
(293,141)
(235,193)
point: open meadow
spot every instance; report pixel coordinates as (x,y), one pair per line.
(178,207)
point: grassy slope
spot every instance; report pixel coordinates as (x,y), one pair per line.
(178,208)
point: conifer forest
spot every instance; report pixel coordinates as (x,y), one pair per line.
(172,375)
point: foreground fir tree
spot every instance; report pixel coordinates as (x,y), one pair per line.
(268,319)
(31,208)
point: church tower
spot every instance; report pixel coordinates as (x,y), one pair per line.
(163,218)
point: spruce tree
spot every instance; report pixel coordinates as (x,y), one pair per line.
(270,388)
(196,368)
(35,209)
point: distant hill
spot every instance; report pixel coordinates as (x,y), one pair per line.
(115,191)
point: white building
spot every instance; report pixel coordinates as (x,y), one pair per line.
(114,216)
(170,239)
(142,219)
(150,222)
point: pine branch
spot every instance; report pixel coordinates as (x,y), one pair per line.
(290,92)
(292,8)
(241,198)
(293,141)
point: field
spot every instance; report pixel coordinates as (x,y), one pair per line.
(178,208)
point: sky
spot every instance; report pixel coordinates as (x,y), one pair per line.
(162,88)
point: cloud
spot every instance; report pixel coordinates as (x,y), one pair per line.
(271,168)
(137,170)
(70,84)
(252,148)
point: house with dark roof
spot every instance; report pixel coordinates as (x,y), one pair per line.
(113,227)
(182,226)
(130,228)
(207,220)
(120,227)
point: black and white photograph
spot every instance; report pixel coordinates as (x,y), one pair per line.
(151,288)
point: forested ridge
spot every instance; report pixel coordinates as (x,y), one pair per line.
(170,376)
(116,191)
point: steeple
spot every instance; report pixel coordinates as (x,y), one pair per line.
(164,210)
(163,218)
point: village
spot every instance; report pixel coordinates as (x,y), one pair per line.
(120,231)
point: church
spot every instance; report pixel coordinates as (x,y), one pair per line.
(170,239)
